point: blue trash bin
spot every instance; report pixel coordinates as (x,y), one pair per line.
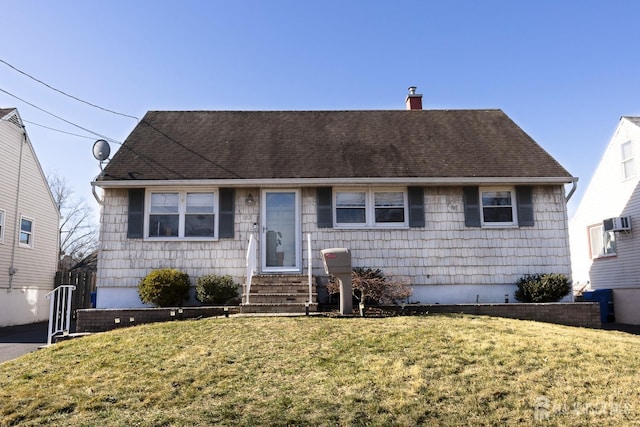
(93,299)
(605,298)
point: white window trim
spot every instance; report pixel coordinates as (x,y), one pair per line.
(369,207)
(514,208)
(3,215)
(182,206)
(600,252)
(32,233)
(624,161)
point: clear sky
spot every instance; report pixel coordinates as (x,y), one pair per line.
(565,71)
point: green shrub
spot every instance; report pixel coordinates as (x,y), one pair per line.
(216,290)
(542,288)
(165,287)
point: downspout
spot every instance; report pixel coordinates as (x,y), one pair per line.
(573,189)
(95,194)
(12,268)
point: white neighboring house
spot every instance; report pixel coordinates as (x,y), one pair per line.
(605,230)
(29,222)
(459,203)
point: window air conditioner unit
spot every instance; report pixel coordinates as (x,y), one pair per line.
(622,223)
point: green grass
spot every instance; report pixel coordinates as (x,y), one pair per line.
(432,370)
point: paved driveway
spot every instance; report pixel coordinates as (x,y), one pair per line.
(16,341)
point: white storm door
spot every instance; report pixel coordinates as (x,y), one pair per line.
(280,240)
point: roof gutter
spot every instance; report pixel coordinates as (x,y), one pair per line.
(316,182)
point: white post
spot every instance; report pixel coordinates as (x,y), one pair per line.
(250,264)
(69,292)
(50,332)
(309,267)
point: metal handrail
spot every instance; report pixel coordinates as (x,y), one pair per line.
(250,264)
(309,267)
(61,304)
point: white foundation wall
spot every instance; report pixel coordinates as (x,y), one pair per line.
(444,261)
(21,306)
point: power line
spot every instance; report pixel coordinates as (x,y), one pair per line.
(149,161)
(66,94)
(110,111)
(190,149)
(57,117)
(61,131)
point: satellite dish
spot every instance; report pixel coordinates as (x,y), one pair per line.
(101,150)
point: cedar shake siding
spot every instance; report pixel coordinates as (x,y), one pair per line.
(458,203)
(443,252)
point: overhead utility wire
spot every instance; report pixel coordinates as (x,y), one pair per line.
(66,94)
(107,110)
(58,117)
(144,158)
(190,150)
(61,131)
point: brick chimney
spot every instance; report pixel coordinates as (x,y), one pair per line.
(414,100)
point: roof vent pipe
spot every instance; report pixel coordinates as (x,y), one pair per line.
(414,100)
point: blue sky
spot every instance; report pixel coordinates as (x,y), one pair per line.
(565,71)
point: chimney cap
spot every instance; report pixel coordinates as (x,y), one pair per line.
(412,90)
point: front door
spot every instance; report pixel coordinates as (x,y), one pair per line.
(280,242)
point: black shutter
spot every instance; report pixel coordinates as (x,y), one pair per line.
(525,205)
(135,223)
(471,200)
(227,210)
(416,206)
(324,196)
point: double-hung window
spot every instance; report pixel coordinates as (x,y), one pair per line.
(182,214)
(370,208)
(602,243)
(628,165)
(2,215)
(26,232)
(498,206)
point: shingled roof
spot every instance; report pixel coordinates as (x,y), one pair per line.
(298,145)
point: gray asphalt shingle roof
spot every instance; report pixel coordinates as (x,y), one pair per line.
(169,145)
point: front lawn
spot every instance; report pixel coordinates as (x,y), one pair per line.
(431,370)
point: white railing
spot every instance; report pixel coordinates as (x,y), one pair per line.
(251,265)
(59,310)
(309,267)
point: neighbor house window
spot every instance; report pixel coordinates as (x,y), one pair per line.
(628,165)
(498,206)
(26,232)
(2,215)
(370,208)
(602,243)
(182,214)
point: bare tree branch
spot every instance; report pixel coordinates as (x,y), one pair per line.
(78,233)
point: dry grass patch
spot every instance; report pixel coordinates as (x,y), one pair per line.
(442,370)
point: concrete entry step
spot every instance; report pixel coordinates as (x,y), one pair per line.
(279,293)
(278,308)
